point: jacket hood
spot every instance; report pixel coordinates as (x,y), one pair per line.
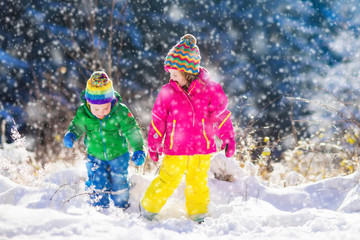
(204,75)
(116,95)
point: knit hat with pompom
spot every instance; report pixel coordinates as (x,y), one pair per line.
(99,88)
(184,56)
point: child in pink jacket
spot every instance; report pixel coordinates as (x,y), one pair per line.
(188,112)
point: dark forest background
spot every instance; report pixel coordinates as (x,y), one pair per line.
(263,52)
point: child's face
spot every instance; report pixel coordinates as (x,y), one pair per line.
(177,77)
(100,110)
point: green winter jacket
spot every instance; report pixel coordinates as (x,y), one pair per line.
(106,139)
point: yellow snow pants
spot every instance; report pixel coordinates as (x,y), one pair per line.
(169,178)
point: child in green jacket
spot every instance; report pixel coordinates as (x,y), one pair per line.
(107,124)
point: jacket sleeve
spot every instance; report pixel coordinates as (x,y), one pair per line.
(130,128)
(157,126)
(77,125)
(220,115)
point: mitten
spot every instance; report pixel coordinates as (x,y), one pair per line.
(155,155)
(69,139)
(138,157)
(229,146)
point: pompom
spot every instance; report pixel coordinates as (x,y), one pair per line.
(189,38)
(99,79)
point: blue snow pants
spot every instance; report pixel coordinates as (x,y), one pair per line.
(108,180)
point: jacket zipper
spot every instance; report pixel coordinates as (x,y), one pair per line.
(204,132)
(187,96)
(102,137)
(100,123)
(172,134)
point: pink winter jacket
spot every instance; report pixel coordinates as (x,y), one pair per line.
(189,121)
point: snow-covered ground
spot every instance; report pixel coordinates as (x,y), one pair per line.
(243,209)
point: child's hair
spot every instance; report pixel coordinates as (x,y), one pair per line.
(189,77)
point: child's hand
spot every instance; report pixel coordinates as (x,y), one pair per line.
(229,146)
(69,139)
(155,155)
(138,157)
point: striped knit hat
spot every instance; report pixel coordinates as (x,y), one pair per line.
(99,89)
(184,56)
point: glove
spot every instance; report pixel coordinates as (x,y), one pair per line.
(229,146)
(155,155)
(138,157)
(69,139)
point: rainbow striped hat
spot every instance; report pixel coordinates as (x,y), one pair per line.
(184,56)
(99,88)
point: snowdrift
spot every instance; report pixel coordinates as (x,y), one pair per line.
(55,207)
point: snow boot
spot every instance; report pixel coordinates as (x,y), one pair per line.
(199,218)
(146,214)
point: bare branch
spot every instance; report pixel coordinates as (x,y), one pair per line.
(109,63)
(252,121)
(293,128)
